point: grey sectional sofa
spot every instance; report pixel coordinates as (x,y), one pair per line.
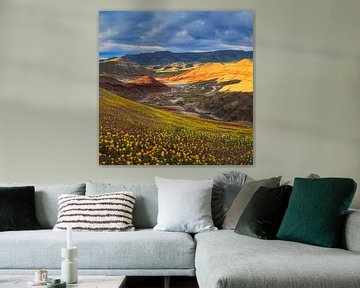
(218,259)
(226,259)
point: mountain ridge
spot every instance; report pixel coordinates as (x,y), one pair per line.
(168,57)
(122,67)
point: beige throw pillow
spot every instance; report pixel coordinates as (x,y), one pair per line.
(243,198)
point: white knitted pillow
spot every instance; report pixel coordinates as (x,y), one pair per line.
(105,212)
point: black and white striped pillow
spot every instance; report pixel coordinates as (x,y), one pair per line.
(105,212)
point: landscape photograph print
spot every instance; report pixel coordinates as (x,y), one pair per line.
(176,88)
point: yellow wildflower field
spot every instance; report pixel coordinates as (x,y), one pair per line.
(131,133)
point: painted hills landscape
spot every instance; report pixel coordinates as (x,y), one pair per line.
(176,108)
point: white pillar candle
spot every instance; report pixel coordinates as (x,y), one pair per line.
(69,237)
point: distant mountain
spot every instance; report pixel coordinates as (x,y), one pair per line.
(221,72)
(122,67)
(167,57)
(171,69)
(120,88)
(134,90)
(150,84)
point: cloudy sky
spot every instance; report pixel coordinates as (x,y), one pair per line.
(125,32)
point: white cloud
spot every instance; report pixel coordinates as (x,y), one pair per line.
(224,46)
(107,34)
(108,46)
(142,47)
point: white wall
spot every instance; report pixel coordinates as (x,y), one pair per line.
(307,90)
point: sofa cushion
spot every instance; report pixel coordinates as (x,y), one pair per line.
(310,176)
(105,212)
(350,239)
(46,200)
(17,208)
(225,259)
(184,205)
(146,205)
(143,249)
(243,198)
(317,210)
(225,189)
(263,215)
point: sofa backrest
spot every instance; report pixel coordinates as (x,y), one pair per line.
(146,203)
(46,200)
(351,237)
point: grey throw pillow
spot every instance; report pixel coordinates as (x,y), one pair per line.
(226,187)
(184,205)
(242,199)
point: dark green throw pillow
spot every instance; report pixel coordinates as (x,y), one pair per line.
(316,211)
(17,208)
(263,214)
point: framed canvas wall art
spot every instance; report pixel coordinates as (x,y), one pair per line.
(176,88)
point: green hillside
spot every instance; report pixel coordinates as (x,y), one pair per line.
(133,133)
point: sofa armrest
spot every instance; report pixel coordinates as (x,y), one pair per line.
(351,234)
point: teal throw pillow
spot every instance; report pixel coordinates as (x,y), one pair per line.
(316,211)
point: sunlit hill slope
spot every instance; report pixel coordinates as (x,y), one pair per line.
(221,72)
(147,81)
